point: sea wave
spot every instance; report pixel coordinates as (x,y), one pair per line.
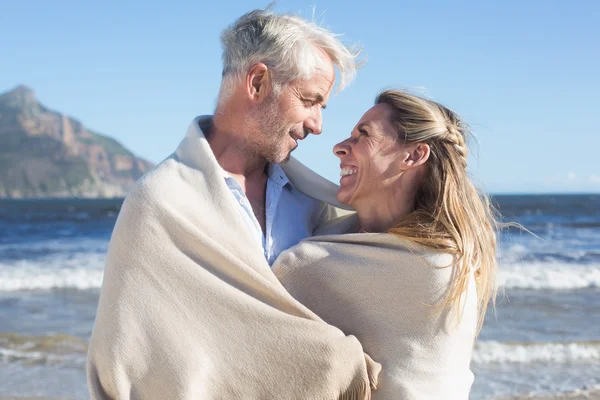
(85,271)
(568,250)
(77,271)
(36,350)
(54,246)
(540,276)
(78,264)
(487,352)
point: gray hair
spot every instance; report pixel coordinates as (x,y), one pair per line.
(286,44)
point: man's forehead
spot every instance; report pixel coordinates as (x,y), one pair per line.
(315,88)
(321,86)
(319,96)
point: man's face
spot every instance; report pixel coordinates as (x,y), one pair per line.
(292,115)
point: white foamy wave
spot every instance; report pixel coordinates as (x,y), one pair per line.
(38,357)
(58,246)
(487,352)
(512,252)
(78,271)
(549,276)
(573,251)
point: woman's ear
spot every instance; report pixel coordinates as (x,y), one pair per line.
(258,83)
(416,154)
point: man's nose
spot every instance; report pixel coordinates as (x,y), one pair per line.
(314,124)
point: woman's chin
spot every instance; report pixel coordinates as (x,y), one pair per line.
(342,196)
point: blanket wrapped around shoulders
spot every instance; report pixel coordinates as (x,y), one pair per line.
(387,292)
(190,309)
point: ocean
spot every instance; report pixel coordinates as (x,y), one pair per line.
(543,337)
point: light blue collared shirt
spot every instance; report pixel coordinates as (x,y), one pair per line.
(290,215)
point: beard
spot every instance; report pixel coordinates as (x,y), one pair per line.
(271,136)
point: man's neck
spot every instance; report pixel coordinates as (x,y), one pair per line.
(234,157)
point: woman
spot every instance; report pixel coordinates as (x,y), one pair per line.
(414,283)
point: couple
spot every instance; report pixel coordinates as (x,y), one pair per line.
(234,272)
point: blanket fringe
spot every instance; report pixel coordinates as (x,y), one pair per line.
(358,391)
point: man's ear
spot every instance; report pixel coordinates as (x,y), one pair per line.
(416,154)
(258,83)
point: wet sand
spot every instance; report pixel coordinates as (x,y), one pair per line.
(32,398)
(592,394)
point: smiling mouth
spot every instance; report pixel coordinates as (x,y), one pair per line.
(296,136)
(295,139)
(348,171)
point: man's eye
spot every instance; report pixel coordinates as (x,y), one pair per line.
(312,103)
(363,132)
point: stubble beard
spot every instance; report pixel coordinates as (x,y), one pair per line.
(272,133)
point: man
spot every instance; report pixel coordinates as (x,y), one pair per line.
(275,85)
(189,307)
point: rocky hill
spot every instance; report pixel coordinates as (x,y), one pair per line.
(44,153)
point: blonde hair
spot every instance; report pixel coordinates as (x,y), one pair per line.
(450,214)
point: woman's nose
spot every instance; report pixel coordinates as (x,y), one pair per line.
(341,149)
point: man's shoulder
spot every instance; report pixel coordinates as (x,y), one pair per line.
(176,178)
(162,180)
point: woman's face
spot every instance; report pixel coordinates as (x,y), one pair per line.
(371,159)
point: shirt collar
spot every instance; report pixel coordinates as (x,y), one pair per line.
(276,174)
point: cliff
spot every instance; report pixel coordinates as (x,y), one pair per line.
(44,153)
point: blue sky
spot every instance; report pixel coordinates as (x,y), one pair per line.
(524,74)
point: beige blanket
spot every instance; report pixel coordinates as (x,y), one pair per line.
(190,309)
(384,291)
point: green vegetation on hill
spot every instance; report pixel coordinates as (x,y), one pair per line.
(110,145)
(45,154)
